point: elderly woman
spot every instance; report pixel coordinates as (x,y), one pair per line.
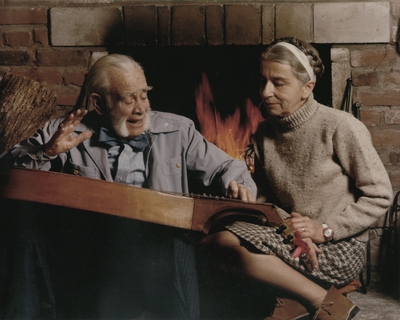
(319,165)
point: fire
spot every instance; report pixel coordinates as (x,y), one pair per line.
(231,134)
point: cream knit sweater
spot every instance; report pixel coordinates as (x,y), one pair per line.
(320,162)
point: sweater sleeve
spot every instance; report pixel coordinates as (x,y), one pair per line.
(353,146)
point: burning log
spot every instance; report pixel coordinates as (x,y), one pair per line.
(232,134)
(25,105)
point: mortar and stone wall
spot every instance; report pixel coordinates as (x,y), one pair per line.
(55,42)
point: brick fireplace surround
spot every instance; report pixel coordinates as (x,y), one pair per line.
(55,41)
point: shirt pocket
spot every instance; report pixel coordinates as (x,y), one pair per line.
(172,166)
(83,171)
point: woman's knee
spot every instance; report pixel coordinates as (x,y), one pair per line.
(222,239)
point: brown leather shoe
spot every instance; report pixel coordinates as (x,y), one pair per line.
(336,307)
(288,309)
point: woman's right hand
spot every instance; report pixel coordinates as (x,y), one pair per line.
(63,139)
(311,233)
(312,254)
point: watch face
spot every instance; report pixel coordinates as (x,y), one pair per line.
(328,233)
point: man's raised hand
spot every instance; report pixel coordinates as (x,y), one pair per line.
(64,139)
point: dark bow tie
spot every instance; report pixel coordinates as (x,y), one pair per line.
(138,143)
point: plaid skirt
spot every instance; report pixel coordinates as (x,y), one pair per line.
(339,263)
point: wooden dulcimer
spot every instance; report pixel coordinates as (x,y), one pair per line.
(196,213)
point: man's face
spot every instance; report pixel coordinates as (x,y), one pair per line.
(128,103)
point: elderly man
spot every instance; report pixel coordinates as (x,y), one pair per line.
(123,140)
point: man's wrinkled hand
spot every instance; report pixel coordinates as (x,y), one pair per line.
(64,139)
(239,191)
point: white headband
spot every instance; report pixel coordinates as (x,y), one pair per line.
(300,55)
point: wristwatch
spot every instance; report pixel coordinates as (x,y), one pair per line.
(327,232)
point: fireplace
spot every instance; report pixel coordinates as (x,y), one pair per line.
(232,73)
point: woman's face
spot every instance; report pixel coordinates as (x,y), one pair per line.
(281,92)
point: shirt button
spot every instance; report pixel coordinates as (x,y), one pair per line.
(178,165)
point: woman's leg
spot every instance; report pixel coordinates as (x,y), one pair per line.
(261,267)
(273,271)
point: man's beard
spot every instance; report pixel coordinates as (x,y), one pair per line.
(118,122)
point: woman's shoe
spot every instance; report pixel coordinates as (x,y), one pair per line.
(336,307)
(288,309)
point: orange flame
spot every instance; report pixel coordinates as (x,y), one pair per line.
(230,134)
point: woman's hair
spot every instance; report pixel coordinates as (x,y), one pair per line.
(283,55)
(98,78)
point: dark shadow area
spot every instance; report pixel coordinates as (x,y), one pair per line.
(88,259)
(25,272)
(389,254)
(226,297)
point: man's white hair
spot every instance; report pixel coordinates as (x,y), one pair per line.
(98,78)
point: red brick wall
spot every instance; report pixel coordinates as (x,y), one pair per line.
(376,80)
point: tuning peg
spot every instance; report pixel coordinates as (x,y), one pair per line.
(281,228)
